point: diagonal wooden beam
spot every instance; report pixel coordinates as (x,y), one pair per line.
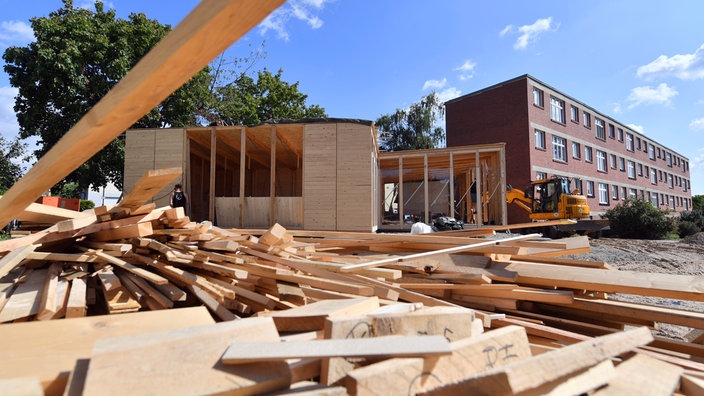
(207,31)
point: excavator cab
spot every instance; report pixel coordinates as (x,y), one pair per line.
(550,199)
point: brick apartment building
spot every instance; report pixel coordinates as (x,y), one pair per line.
(550,133)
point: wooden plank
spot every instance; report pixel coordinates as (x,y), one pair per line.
(47,305)
(31,348)
(381,347)
(691,385)
(643,375)
(164,370)
(14,258)
(140,272)
(453,323)
(456,249)
(26,298)
(312,316)
(625,310)
(207,31)
(76,306)
(46,214)
(525,375)
(218,309)
(151,291)
(582,382)
(687,287)
(469,356)
(23,386)
(130,231)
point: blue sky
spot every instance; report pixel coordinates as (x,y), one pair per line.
(638,61)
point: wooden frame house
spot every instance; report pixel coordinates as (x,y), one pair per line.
(421,185)
(323,174)
(313,174)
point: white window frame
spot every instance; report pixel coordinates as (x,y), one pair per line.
(614,192)
(601,161)
(600,131)
(621,164)
(557,109)
(631,169)
(653,176)
(629,141)
(590,188)
(539,139)
(559,148)
(576,150)
(538,98)
(588,154)
(574,114)
(651,151)
(603,193)
(612,161)
(587,119)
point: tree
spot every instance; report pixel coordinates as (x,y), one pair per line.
(698,202)
(246,101)
(78,56)
(415,128)
(10,170)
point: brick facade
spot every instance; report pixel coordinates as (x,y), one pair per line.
(523,110)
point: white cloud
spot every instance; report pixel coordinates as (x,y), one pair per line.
(302,10)
(617,108)
(15,33)
(8,120)
(637,128)
(449,93)
(508,29)
(529,33)
(662,94)
(434,84)
(685,67)
(697,124)
(466,70)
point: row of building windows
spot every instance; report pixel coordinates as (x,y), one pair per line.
(612,192)
(633,143)
(605,160)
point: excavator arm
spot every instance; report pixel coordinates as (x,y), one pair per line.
(518,197)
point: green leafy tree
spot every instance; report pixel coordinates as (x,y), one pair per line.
(698,202)
(639,219)
(415,128)
(78,56)
(11,153)
(246,101)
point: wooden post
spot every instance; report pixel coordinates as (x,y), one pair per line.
(425,189)
(243,158)
(213,168)
(272,179)
(478,187)
(452,185)
(400,192)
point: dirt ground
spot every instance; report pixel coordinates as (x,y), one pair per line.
(685,257)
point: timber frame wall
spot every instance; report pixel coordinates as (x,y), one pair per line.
(313,174)
(421,185)
(319,175)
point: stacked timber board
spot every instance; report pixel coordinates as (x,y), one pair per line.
(141,300)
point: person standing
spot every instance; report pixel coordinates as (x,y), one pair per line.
(179,198)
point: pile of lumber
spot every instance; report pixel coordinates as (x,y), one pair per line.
(136,299)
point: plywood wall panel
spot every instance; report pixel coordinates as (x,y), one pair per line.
(355,167)
(320,176)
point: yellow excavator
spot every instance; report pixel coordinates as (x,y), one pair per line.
(550,199)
